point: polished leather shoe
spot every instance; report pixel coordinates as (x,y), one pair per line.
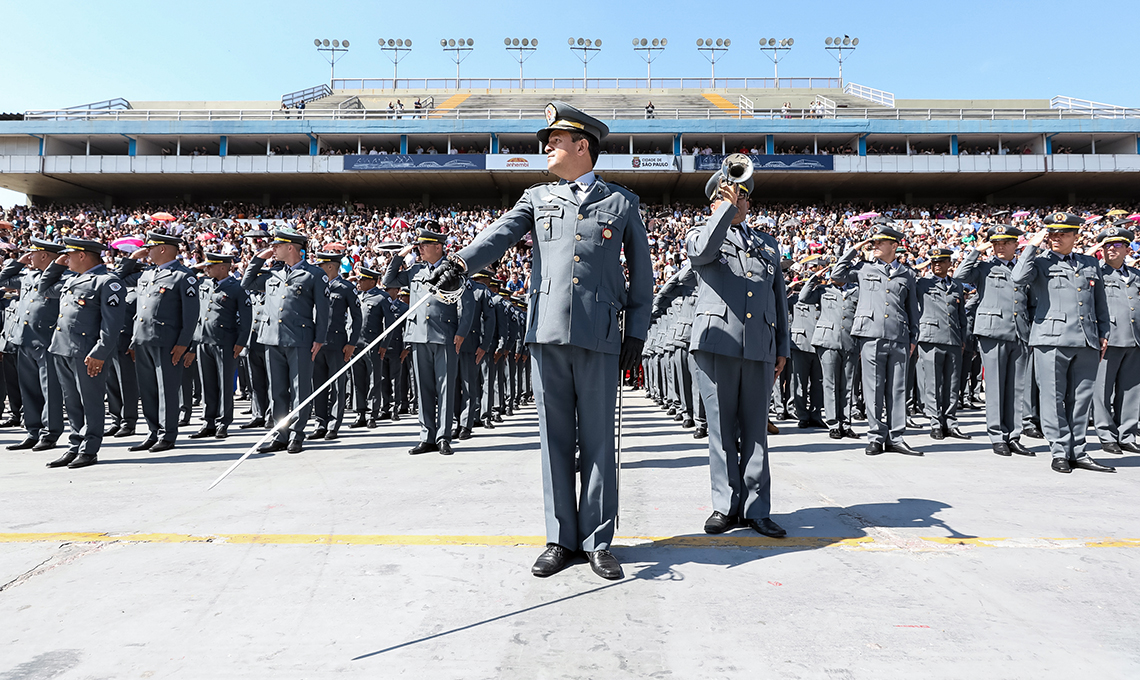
(1087,463)
(185,421)
(849,433)
(456,432)
(937,433)
(207,431)
(766,527)
(63,460)
(272,446)
(803,425)
(112,431)
(1111,447)
(489,423)
(605,564)
(161,445)
(498,417)
(295,446)
(1061,465)
(1129,447)
(874,449)
(361,421)
(817,423)
(835,433)
(44,445)
(222,432)
(903,448)
(126,431)
(464,433)
(384,416)
(677,418)
(1002,449)
(12,422)
(28,443)
(372,424)
(718,523)
(701,432)
(672,411)
(955,433)
(319,433)
(444,447)
(772,429)
(912,423)
(145,445)
(82,462)
(332,434)
(395,417)
(688,422)
(256,422)
(1020,449)
(552,560)
(422,447)
(1033,431)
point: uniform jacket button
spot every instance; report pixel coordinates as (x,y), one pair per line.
(577,237)
(575,279)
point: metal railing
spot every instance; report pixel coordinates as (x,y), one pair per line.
(352,102)
(588,84)
(870,94)
(311,94)
(826,105)
(88,111)
(1094,109)
(745,106)
(118,103)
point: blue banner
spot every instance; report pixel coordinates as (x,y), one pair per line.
(762,163)
(462,161)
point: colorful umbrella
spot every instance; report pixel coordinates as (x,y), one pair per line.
(127,244)
(1134,217)
(207,236)
(162,217)
(1093,218)
(334,246)
(1118,211)
(1021,213)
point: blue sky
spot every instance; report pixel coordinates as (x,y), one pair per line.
(68,53)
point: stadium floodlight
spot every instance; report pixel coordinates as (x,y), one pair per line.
(586,49)
(649,50)
(523,49)
(773,48)
(396,49)
(460,49)
(332,51)
(837,47)
(713,51)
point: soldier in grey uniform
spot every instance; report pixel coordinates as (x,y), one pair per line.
(86,334)
(942,333)
(436,332)
(494,369)
(297,299)
(741,343)
(678,295)
(167,298)
(580,227)
(1069,336)
(886,326)
(122,378)
(343,337)
(254,354)
(225,320)
(477,349)
(807,372)
(838,351)
(1001,324)
(367,374)
(36,314)
(1116,402)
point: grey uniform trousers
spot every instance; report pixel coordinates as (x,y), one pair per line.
(83,400)
(699,414)
(684,380)
(807,384)
(216,365)
(1067,378)
(1116,402)
(290,382)
(393,389)
(328,406)
(366,384)
(160,386)
(40,393)
(838,368)
(1004,367)
(884,365)
(436,367)
(122,388)
(468,392)
(941,369)
(258,381)
(736,393)
(575,393)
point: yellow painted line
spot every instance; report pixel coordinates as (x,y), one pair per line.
(450,103)
(721,103)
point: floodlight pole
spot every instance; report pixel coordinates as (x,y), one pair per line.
(649,56)
(332,58)
(585,56)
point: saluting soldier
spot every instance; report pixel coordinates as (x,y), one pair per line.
(837,349)
(167,298)
(375,316)
(1116,402)
(1001,324)
(343,337)
(886,326)
(36,314)
(297,299)
(86,334)
(941,337)
(580,227)
(225,320)
(1069,335)
(254,354)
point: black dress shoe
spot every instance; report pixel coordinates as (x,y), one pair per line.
(371,423)
(125,431)
(112,431)
(384,416)
(1087,463)
(1002,449)
(677,418)
(498,417)
(395,417)
(272,446)
(689,422)
(1033,431)
(295,446)
(1111,447)
(63,460)
(767,527)
(332,434)
(489,423)
(1020,449)
(672,411)
(605,564)
(423,447)
(456,432)
(444,447)
(464,433)
(835,433)
(185,422)
(44,445)
(29,442)
(816,422)
(83,461)
(803,424)
(903,448)
(701,432)
(860,414)
(937,433)
(162,445)
(552,560)
(221,432)
(1061,465)
(912,423)
(319,433)
(145,445)
(207,431)
(849,433)
(12,422)
(874,449)
(361,421)
(256,422)
(956,433)
(1129,447)
(718,523)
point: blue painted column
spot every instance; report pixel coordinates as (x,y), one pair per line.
(862,145)
(494,143)
(1138,144)
(769,144)
(404,144)
(314,146)
(953,145)
(1048,145)
(223,145)
(132,147)
(677,144)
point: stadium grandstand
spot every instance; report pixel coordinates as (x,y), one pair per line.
(467,141)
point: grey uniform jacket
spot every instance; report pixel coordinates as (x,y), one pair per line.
(1070,309)
(1122,293)
(742,304)
(942,312)
(435,322)
(888,305)
(577,284)
(225,313)
(375,315)
(836,314)
(483,325)
(504,329)
(90,312)
(1001,313)
(805,315)
(296,303)
(344,315)
(167,303)
(395,340)
(38,307)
